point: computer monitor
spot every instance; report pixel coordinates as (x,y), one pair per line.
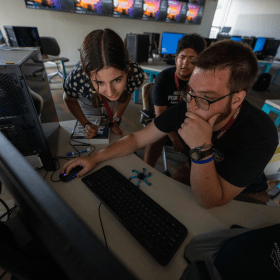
(259,45)
(209,41)
(221,37)
(67,239)
(225,29)
(169,42)
(271,47)
(2,40)
(249,41)
(154,42)
(23,36)
(236,38)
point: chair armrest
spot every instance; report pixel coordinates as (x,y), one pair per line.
(64,59)
(147,114)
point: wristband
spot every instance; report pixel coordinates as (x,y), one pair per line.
(204,160)
(87,124)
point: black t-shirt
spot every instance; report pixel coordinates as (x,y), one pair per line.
(165,90)
(244,150)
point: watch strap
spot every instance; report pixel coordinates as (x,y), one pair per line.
(202,154)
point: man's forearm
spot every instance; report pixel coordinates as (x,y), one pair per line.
(121,148)
(206,185)
(172,135)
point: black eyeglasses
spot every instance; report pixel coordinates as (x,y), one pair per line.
(201,103)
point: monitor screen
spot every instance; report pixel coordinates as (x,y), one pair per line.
(271,47)
(44,4)
(2,40)
(248,40)
(236,38)
(169,42)
(27,36)
(66,239)
(127,8)
(194,14)
(151,9)
(225,29)
(88,6)
(259,44)
(173,11)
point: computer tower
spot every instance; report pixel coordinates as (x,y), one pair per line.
(154,42)
(33,131)
(138,47)
(22,36)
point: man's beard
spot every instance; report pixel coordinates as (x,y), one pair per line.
(227,111)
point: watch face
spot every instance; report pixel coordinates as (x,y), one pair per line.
(195,155)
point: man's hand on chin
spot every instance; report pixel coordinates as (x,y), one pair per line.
(195,131)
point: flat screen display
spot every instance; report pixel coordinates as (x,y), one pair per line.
(151,9)
(259,44)
(169,42)
(128,8)
(194,14)
(173,11)
(44,4)
(236,39)
(88,6)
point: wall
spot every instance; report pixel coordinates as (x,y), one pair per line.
(254,18)
(70,29)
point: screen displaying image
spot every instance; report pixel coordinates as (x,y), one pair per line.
(259,44)
(127,8)
(151,9)
(88,6)
(169,42)
(194,14)
(44,4)
(173,11)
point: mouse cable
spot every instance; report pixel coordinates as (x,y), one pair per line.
(102,227)
(81,144)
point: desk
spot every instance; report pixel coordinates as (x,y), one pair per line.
(176,198)
(154,68)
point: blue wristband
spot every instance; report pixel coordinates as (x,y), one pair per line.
(204,160)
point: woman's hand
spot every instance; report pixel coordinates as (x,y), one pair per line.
(116,129)
(91,130)
(88,164)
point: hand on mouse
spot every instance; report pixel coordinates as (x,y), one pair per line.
(87,162)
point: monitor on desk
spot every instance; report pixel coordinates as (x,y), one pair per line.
(249,41)
(169,42)
(236,38)
(73,249)
(259,45)
(271,47)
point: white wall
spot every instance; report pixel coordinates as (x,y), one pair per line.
(69,29)
(254,18)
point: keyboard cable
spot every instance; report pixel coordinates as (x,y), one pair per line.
(102,227)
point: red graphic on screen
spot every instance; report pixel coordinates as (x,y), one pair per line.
(123,6)
(192,13)
(174,9)
(151,7)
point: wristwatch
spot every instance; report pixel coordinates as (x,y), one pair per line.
(116,119)
(201,152)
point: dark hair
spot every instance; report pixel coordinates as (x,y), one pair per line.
(193,41)
(236,56)
(104,48)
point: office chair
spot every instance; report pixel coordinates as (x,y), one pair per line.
(49,46)
(147,116)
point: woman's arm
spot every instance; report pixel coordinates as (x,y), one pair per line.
(76,110)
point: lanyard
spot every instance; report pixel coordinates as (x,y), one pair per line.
(228,125)
(108,109)
(179,98)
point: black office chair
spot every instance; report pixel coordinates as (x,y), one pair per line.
(50,53)
(147,116)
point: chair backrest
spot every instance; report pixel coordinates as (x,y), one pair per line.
(49,46)
(147,101)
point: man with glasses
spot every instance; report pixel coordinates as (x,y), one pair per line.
(228,140)
(166,87)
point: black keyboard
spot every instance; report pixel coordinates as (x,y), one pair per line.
(158,232)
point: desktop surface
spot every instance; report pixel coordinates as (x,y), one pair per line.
(176,198)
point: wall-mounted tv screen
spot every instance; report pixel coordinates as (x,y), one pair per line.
(128,8)
(173,11)
(151,9)
(44,4)
(194,14)
(95,7)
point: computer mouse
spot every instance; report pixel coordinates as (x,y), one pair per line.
(72,174)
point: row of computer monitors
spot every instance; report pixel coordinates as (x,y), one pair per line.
(260,45)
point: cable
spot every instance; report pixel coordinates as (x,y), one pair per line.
(102,227)
(3,274)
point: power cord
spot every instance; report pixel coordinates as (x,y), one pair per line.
(102,227)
